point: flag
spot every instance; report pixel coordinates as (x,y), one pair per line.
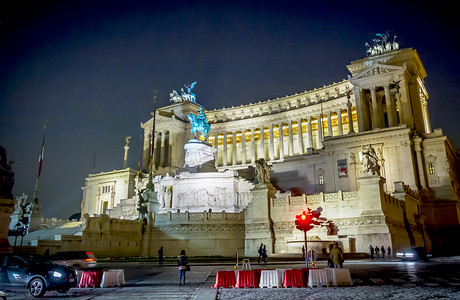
(42,152)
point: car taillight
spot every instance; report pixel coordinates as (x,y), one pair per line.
(90,259)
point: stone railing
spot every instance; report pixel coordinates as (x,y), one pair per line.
(204,216)
(287,199)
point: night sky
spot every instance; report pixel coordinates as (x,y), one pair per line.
(91,68)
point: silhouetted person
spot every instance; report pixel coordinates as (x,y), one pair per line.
(160,256)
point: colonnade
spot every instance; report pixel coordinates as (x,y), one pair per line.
(161,152)
(276,141)
(379,106)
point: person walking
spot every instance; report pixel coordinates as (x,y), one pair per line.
(383,252)
(389,252)
(160,256)
(261,249)
(303,252)
(372,252)
(182,261)
(337,256)
(264,254)
(377,250)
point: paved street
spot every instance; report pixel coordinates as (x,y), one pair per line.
(439,278)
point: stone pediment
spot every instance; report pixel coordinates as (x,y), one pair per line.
(378,69)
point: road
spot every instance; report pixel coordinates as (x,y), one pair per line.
(439,278)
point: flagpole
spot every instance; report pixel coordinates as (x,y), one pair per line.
(152,163)
(40,162)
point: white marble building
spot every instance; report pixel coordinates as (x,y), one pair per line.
(314,143)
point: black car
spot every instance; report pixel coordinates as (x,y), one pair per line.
(36,273)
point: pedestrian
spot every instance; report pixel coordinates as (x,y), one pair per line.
(372,252)
(182,261)
(303,252)
(337,256)
(343,256)
(389,252)
(377,250)
(160,256)
(383,252)
(264,254)
(324,252)
(261,249)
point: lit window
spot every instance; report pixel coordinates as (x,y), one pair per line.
(431,168)
(321,179)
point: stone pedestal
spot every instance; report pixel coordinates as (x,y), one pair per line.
(258,221)
(199,157)
(371,195)
(6,209)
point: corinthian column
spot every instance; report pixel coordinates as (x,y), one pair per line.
(271,149)
(253,152)
(281,142)
(243,147)
(375,110)
(234,148)
(339,120)
(310,133)
(329,123)
(290,139)
(224,154)
(262,142)
(300,137)
(216,146)
(320,132)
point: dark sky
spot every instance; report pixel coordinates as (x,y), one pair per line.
(91,67)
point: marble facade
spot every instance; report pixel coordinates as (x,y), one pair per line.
(313,142)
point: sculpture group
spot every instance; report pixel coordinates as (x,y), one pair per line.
(185,95)
(382,44)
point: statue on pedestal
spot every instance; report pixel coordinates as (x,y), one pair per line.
(200,123)
(370,161)
(262,171)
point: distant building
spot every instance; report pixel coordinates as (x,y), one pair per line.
(315,143)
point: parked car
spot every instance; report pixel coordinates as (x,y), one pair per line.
(414,253)
(36,273)
(75,259)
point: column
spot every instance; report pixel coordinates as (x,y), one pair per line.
(420,164)
(224,152)
(350,118)
(426,116)
(243,147)
(281,141)
(290,141)
(329,123)
(253,149)
(234,148)
(375,110)
(300,136)
(165,149)
(310,133)
(271,149)
(359,109)
(339,121)
(390,114)
(157,153)
(320,132)
(262,142)
(216,146)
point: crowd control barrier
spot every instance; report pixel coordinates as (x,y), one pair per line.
(293,278)
(246,279)
(269,279)
(225,279)
(318,278)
